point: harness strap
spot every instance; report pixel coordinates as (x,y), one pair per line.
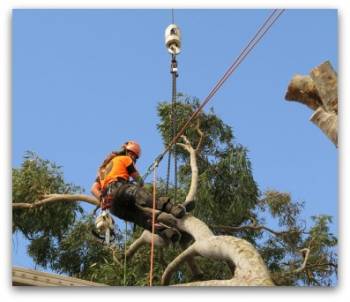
(106,193)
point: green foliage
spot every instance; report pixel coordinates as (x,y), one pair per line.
(217,136)
(81,255)
(285,252)
(44,226)
(281,207)
(227,190)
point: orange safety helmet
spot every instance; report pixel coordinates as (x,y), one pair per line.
(133,147)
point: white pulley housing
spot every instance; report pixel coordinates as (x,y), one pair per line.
(173,39)
(104,222)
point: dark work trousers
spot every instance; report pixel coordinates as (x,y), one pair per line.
(129,202)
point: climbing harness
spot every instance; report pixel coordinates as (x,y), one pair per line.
(252,43)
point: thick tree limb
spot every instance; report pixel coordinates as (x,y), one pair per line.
(191,195)
(201,136)
(51,198)
(250,268)
(186,255)
(145,238)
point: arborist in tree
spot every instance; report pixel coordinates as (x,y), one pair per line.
(127,199)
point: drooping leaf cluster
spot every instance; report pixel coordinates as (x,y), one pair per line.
(44,226)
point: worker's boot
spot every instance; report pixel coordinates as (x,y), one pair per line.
(166,219)
(171,234)
(166,205)
(189,205)
(178,210)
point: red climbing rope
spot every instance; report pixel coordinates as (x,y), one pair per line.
(153,226)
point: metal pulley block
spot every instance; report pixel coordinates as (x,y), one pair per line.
(103,221)
(173,39)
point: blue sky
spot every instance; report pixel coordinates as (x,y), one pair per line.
(85,81)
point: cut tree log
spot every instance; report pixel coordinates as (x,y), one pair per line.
(319,92)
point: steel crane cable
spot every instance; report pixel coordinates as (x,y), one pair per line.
(173,128)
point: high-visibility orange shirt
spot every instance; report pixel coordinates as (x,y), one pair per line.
(119,167)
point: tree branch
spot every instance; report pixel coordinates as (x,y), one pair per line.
(252,227)
(250,268)
(191,195)
(186,255)
(201,136)
(145,238)
(51,198)
(306,253)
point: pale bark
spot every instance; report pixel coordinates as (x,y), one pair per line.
(306,253)
(144,239)
(319,91)
(327,122)
(249,266)
(191,195)
(51,198)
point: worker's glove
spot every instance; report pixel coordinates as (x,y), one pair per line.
(139,181)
